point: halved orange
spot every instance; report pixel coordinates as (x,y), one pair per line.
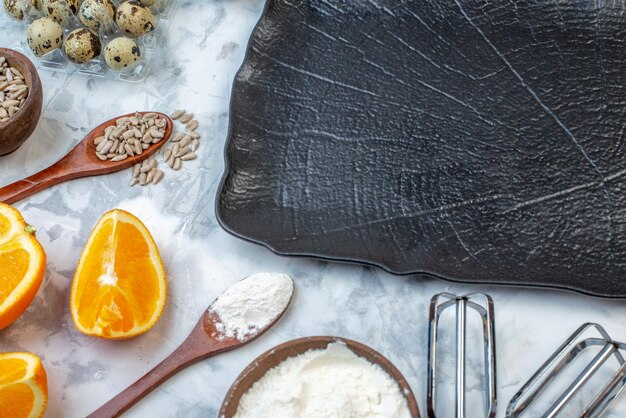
(23,386)
(22,265)
(118,290)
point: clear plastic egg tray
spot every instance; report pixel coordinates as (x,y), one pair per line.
(149,45)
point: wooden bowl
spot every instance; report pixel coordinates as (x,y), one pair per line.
(278,354)
(16,130)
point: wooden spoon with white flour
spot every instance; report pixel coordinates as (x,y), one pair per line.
(243,312)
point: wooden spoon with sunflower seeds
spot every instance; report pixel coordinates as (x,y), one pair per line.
(99,154)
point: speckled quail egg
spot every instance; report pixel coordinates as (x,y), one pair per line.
(134,19)
(82,45)
(97,14)
(121,53)
(60,10)
(17,8)
(44,35)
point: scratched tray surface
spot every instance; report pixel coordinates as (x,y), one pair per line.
(474,141)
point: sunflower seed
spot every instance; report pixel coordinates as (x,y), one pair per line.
(149,116)
(195,144)
(194,134)
(171,160)
(129,150)
(8,74)
(177,164)
(155,133)
(142,179)
(186,117)
(166,153)
(147,167)
(175,149)
(150,175)
(134,120)
(111,155)
(158,176)
(102,157)
(138,149)
(134,181)
(119,158)
(12,110)
(136,169)
(107,146)
(178,136)
(97,140)
(177,114)
(8,103)
(147,138)
(185,141)
(188,156)
(16,72)
(145,146)
(183,151)
(118,131)
(137,133)
(192,125)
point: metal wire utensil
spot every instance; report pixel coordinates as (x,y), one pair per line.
(438,304)
(558,363)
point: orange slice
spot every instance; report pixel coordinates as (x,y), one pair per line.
(22,265)
(119,287)
(23,386)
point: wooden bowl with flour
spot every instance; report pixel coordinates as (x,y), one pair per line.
(275,356)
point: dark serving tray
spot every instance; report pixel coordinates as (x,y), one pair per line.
(474,141)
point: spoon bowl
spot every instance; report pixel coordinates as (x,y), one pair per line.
(81,161)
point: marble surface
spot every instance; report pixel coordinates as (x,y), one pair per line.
(207,42)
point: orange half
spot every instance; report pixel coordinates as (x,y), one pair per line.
(119,289)
(22,265)
(23,386)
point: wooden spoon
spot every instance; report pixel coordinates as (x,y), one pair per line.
(79,162)
(204,341)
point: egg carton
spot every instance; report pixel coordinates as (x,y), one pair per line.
(149,45)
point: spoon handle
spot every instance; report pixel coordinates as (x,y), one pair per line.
(196,347)
(55,174)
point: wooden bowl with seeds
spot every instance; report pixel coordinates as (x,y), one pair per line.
(20,107)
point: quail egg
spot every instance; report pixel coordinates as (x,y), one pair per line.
(134,19)
(82,45)
(60,10)
(121,53)
(97,14)
(44,35)
(17,8)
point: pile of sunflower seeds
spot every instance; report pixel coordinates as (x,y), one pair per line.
(146,172)
(130,136)
(185,145)
(13,90)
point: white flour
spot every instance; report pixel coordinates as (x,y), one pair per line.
(329,383)
(251,304)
